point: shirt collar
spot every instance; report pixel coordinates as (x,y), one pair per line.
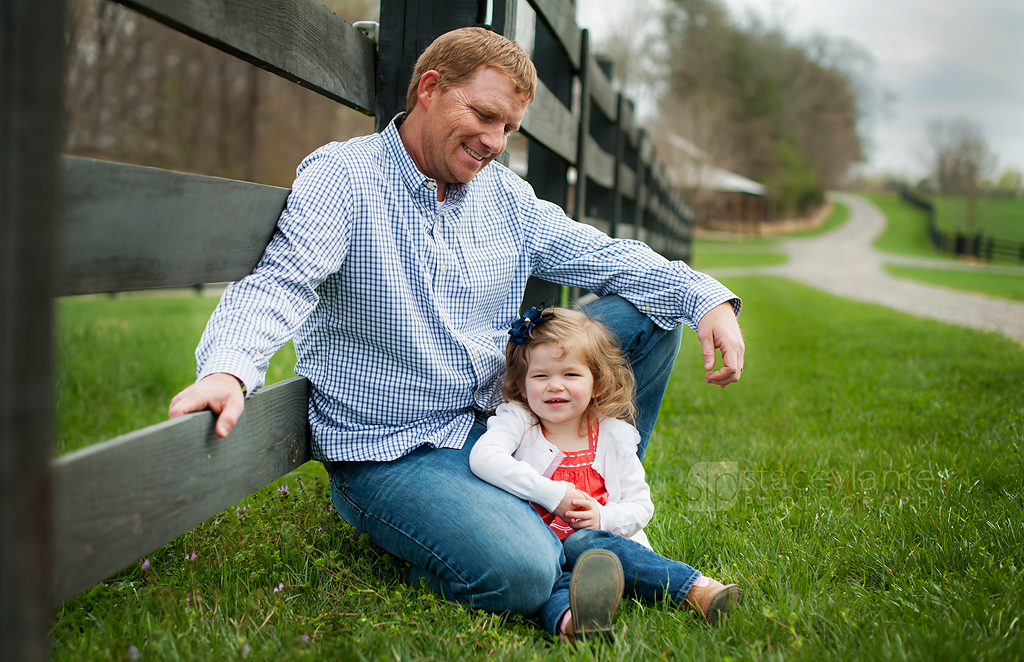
(413,179)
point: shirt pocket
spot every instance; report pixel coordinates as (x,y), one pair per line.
(492,266)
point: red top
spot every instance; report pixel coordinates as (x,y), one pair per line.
(577,468)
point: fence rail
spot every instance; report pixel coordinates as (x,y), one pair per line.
(128,227)
(959,243)
(119,500)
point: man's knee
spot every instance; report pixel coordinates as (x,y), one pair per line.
(640,337)
(518,585)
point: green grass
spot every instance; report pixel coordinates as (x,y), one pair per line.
(120,360)
(906,232)
(875,511)
(840,213)
(755,251)
(1002,218)
(715,260)
(997,285)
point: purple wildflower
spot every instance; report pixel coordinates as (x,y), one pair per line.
(246,650)
(145,566)
(280,587)
(305,637)
(283,490)
(133,652)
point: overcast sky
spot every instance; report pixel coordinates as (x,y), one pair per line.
(940,58)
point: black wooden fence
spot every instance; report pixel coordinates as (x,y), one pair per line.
(77,226)
(959,243)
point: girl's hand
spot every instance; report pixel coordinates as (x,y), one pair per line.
(572,495)
(586,516)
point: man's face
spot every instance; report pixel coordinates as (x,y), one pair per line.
(466,127)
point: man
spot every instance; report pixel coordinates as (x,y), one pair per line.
(398,266)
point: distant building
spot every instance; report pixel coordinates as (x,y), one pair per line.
(719,198)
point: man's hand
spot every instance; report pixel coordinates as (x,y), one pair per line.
(586,516)
(718,329)
(220,392)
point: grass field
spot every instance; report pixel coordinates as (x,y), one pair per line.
(870,500)
(840,213)
(119,361)
(755,251)
(717,260)
(906,232)
(996,285)
(1002,218)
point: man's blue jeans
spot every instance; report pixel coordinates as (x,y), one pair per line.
(472,542)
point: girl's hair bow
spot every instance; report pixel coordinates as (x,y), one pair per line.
(520,331)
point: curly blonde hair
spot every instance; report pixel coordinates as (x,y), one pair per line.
(591,342)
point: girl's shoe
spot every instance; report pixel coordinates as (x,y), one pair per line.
(713,600)
(595,592)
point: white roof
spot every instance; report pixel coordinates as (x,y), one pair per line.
(695,172)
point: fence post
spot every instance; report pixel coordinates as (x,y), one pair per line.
(546,171)
(407,27)
(640,194)
(31,58)
(620,152)
(580,206)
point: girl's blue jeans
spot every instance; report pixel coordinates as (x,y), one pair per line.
(649,576)
(470,541)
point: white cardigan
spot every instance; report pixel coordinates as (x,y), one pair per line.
(514,455)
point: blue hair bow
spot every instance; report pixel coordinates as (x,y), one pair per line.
(520,331)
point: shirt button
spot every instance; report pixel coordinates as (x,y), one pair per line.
(443,268)
(647,309)
(476,355)
(430,185)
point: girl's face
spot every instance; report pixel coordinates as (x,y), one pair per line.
(558,385)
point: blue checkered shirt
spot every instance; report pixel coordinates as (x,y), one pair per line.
(400,305)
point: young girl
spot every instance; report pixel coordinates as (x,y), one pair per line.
(562,442)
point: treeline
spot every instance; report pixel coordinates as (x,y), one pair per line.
(782,113)
(138,92)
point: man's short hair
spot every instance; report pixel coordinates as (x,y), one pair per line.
(460,54)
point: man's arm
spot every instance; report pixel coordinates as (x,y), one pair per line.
(257,315)
(669,292)
(220,392)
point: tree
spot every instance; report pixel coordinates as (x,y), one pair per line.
(779,112)
(139,92)
(1011,179)
(961,159)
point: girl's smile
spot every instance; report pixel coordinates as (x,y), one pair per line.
(558,388)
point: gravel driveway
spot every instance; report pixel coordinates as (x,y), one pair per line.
(844,263)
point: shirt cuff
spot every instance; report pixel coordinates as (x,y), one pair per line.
(234,363)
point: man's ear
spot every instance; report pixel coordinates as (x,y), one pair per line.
(427,89)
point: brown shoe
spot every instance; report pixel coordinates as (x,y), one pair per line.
(714,600)
(595,592)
